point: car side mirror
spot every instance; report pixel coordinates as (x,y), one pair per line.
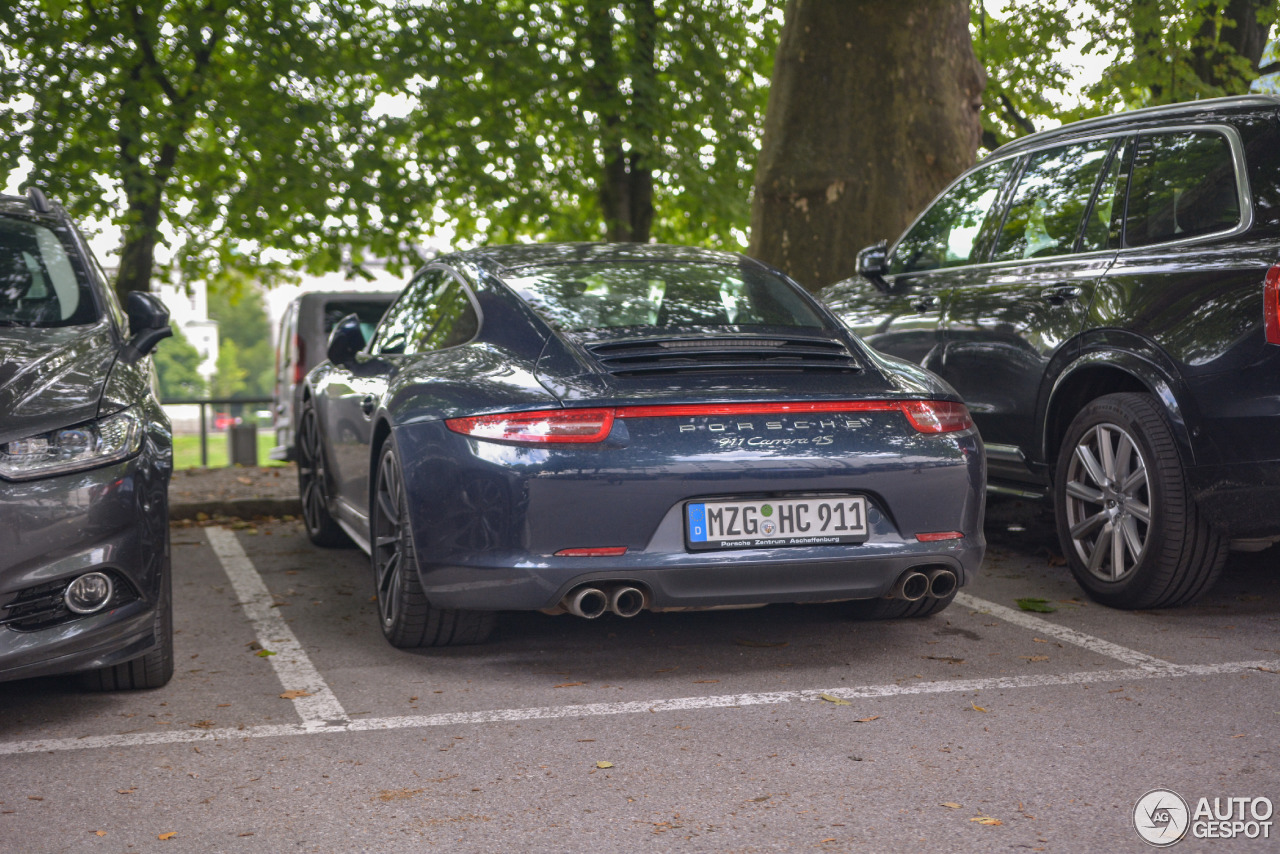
(873,264)
(346,339)
(148,322)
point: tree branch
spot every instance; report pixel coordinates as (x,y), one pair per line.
(1272,68)
(1014,116)
(149,54)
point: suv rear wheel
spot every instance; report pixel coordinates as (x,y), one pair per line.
(1131,532)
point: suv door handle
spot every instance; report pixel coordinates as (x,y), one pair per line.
(1061,294)
(925,303)
(368,405)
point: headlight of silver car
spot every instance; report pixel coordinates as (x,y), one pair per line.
(84,446)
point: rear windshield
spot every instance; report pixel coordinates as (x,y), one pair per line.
(662,294)
(39,285)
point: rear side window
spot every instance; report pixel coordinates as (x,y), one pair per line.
(435,312)
(1049,205)
(945,236)
(1181,185)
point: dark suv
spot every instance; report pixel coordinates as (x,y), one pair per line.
(85,457)
(1106,298)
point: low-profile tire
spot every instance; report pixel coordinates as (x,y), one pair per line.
(313,485)
(153,670)
(898,609)
(1127,522)
(407,618)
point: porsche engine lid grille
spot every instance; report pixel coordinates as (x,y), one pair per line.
(635,357)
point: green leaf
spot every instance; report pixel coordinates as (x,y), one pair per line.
(1041,606)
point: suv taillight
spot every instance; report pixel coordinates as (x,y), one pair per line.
(300,366)
(1271,304)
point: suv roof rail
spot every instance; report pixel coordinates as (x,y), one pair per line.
(38,200)
(1256,99)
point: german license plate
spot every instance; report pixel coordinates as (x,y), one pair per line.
(819,521)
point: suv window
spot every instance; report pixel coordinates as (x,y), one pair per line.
(39,285)
(946,234)
(1181,185)
(1050,202)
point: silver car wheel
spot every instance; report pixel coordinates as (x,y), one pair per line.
(1108,502)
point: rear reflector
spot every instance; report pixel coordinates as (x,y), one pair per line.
(936,536)
(538,427)
(300,353)
(606,552)
(1271,304)
(593,425)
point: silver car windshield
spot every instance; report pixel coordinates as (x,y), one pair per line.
(662,294)
(39,284)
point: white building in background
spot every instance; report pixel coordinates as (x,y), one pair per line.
(189,311)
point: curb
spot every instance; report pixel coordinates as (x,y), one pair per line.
(244,508)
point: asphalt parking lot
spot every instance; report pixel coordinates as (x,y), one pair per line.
(291,725)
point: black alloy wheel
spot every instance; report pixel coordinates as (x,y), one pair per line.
(313,485)
(406,616)
(1127,522)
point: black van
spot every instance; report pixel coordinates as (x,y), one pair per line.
(1106,298)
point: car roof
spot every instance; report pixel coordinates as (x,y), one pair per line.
(507,259)
(1190,110)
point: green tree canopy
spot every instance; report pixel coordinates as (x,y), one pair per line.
(178,368)
(1151,51)
(586,120)
(236,125)
(243,325)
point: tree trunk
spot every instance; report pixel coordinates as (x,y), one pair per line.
(1211,58)
(874,109)
(627,131)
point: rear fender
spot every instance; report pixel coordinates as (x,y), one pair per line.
(1103,367)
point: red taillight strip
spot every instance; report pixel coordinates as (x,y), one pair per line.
(580,426)
(1271,304)
(926,416)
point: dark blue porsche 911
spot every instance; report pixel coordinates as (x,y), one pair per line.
(589,428)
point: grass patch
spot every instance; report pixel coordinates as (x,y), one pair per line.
(186,450)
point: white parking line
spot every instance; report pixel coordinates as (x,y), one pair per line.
(589,710)
(1062,633)
(316,703)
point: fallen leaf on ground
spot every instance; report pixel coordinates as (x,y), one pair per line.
(568,684)
(99,833)
(245,481)
(761,644)
(990,822)
(168,835)
(867,720)
(203,724)
(263,653)
(126,791)
(389,795)
(1035,657)
(947,658)
(1032,603)
(705,681)
(976,707)
(603,764)
(952,805)
(1038,640)
(294,694)
(836,700)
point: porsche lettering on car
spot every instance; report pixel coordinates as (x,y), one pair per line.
(590,428)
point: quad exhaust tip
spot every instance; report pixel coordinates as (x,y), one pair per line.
(942,582)
(586,602)
(912,585)
(591,602)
